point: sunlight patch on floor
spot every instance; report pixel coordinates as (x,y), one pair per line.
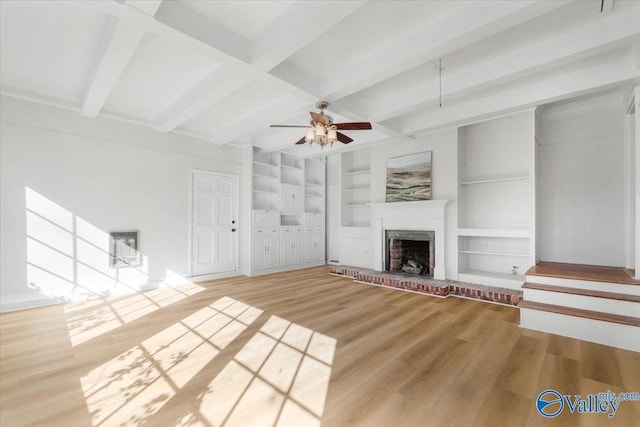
(135,384)
(279,378)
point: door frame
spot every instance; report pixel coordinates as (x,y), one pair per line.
(236,194)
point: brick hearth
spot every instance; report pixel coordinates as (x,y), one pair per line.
(429,286)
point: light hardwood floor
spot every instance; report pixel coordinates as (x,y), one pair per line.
(302,349)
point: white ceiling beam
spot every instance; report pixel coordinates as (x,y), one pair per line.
(464,25)
(600,73)
(257,119)
(205,44)
(188,22)
(574,44)
(150,7)
(121,41)
(291,30)
(203,95)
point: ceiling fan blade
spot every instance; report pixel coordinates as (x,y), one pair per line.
(289,126)
(301,141)
(353,126)
(320,118)
(343,138)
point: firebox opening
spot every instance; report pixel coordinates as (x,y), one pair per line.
(410,252)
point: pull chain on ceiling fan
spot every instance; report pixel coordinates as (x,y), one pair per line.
(323,131)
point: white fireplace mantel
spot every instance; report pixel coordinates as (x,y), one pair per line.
(427,215)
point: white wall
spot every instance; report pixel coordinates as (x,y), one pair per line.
(66,181)
(333,207)
(582,182)
(444,148)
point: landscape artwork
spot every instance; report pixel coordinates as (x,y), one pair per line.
(409,178)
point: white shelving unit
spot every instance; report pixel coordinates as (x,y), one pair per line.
(356,189)
(495,204)
(355,211)
(266,181)
(288,223)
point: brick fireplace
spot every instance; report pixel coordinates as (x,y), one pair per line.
(410,251)
(424,216)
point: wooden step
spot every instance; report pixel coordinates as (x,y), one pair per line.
(577,312)
(581,291)
(593,273)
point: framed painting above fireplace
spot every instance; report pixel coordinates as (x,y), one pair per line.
(409,178)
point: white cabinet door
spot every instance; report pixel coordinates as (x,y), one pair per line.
(297,195)
(286,198)
(273,255)
(259,247)
(265,252)
(291,198)
(297,252)
(314,247)
(286,244)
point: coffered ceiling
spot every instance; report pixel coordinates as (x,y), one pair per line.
(223,71)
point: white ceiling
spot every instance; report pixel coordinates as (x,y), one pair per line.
(224,71)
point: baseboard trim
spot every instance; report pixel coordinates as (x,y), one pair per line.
(215,276)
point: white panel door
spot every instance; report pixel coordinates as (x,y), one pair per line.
(213,231)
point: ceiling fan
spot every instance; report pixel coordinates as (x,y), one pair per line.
(323,131)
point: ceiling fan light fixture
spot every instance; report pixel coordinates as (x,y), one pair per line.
(311,135)
(323,131)
(321,136)
(332,135)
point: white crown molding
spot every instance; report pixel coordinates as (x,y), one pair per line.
(38,97)
(583,106)
(121,116)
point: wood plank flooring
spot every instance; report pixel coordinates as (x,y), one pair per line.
(302,348)
(592,273)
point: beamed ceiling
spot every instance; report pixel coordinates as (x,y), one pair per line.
(223,71)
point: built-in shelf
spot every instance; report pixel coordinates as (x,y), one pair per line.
(358,171)
(489,181)
(315,184)
(492,278)
(494,232)
(359,224)
(265,191)
(496,207)
(292,167)
(265,163)
(356,188)
(495,253)
(264,176)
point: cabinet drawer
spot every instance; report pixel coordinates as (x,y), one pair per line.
(273,230)
(287,230)
(265,218)
(309,230)
(313,219)
(298,230)
(259,231)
